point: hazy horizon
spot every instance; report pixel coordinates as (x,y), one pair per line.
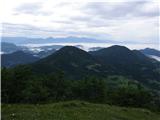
(86,45)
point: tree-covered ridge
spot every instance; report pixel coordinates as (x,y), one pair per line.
(129,63)
(115,60)
(21,85)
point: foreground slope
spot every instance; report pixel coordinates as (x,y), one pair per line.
(75,110)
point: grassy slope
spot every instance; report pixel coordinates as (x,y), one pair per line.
(75,110)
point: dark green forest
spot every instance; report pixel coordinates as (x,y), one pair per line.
(21,85)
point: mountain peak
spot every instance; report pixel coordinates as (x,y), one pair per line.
(118,47)
(115,50)
(71,60)
(69,48)
(150,51)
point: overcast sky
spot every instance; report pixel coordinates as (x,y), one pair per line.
(120,21)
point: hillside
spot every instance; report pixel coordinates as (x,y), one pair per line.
(74,62)
(128,62)
(75,110)
(114,60)
(16,58)
(150,51)
(9,47)
(153,53)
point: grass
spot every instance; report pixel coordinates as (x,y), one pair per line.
(74,110)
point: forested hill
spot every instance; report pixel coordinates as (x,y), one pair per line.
(114,75)
(115,60)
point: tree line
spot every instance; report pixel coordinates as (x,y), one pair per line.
(21,85)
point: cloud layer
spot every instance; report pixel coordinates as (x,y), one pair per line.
(119,21)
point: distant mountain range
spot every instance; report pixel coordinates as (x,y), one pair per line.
(10,50)
(24,40)
(95,48)
(43,51)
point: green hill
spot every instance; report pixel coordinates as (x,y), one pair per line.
(74,110)
(129,62)
(74,62)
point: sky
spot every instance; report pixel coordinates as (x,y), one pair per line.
(124,21)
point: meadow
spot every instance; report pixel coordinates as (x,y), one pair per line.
(74,110)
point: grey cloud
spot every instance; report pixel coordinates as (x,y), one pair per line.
(81,18)
(61,4)
(31,8)
(62,21)
(9,29)
(91,21)
(105,14)
(119,9)
(25,30)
